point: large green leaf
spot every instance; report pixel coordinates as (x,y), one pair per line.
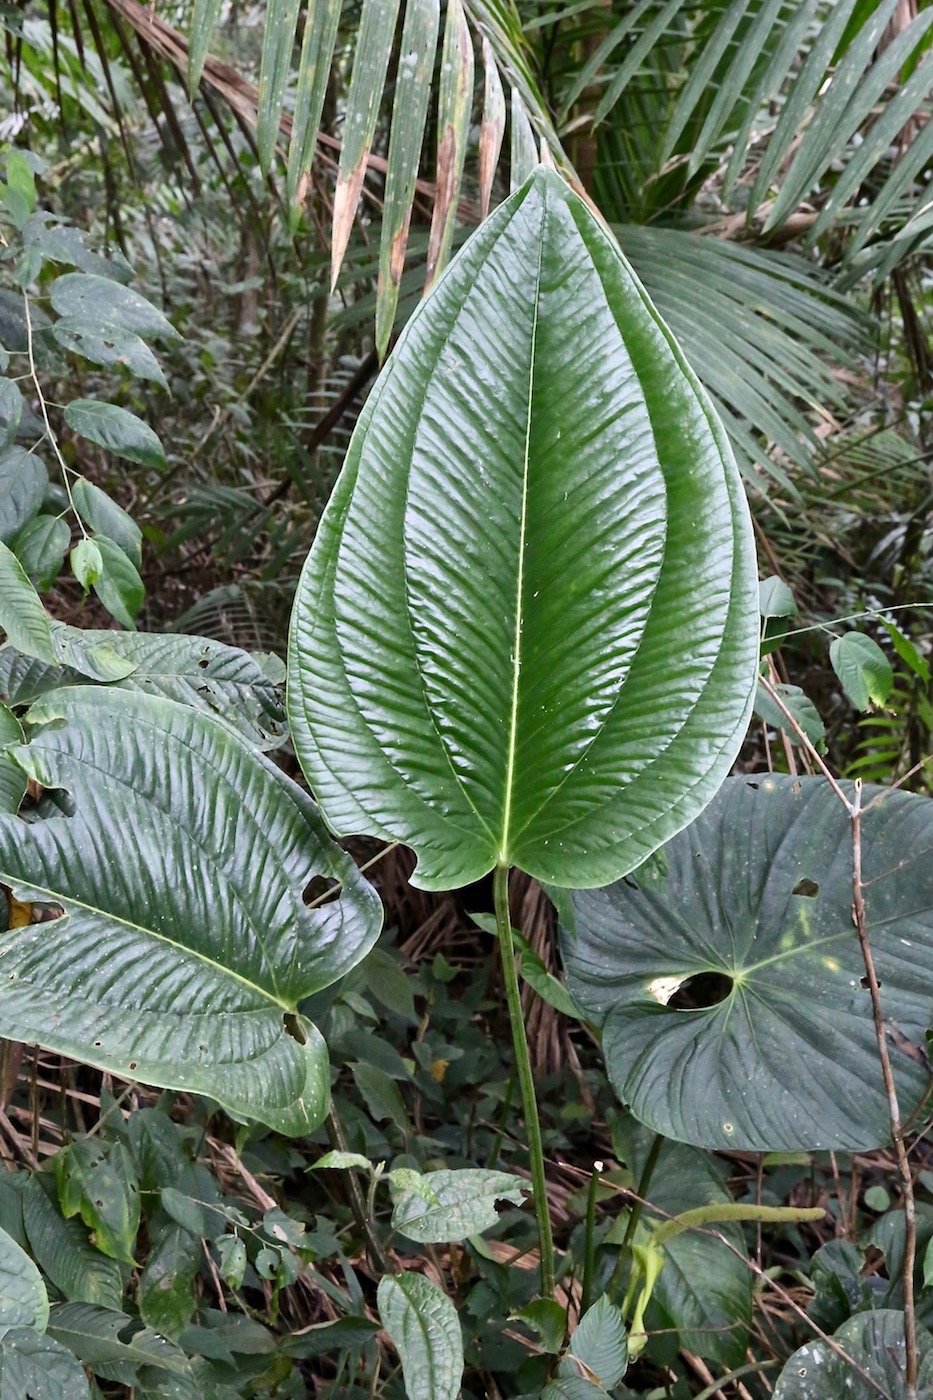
(875,1342)
(36,1367)
(759,891)
(185,944)
(527,630)
(210,676)
(24,481)
(23,1299)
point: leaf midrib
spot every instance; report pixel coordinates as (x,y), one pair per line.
(519,618)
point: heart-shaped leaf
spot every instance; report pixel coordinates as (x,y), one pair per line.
(728,977)
(185,943)
(527,631)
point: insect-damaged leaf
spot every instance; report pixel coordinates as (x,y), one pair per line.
(186,972)
(527,631)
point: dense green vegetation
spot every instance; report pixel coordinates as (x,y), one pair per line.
(399,997)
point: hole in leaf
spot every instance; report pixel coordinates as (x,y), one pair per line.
(294,1028)
(204,661)
(754,786)
(320,889)
(132,1064)
(864,983)
(808,888)
(702,990)
(627,880)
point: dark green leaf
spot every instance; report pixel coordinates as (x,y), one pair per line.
(105,517)
(100,301)
(600,1343)
(113,1344)
(187,971)
(166,1285)
(40,1368)
(23,484)
(800,706)
(863,669)
(62,1250)
(522,611)
(119,587)
(22,616)
(41,547)
(23,1299)
(11,411)
(875,1341)
(109,345)
(116,429)
(779,1050)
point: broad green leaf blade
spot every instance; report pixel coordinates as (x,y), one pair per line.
(863,669)
(110,345)
(454,106)
(119,586)
(113,1344)
(105,517)
(601,1343)
(278,40)
(204,17)
(759,891)
(11,412)
(23,1299)
(98,1181)
(13,785)
(210,676)
(374,43)
(186,971)
(314,67)
(167,1283)
(24,481)
(425,1330)
(100,301)
(116,429)
(875,1342)
(409,113)
(450,1205)
(22,616)
(41,548)
(63,1251)
(527,631)
(37,1366)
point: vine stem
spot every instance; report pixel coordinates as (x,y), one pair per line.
(525,1076)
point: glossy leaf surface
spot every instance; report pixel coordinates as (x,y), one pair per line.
(758,892)
(23,1299)
(527,630)
(186,970)
(875,1342)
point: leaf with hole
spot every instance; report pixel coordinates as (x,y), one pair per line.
(444,1206)
(113,1344)
(425,1330)
(527,631)
(187,972)
(875,1342)
(729,982)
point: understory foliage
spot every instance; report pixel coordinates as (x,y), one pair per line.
(399,997)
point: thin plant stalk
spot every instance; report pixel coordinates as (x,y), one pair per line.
(854,809)
(525,1076)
